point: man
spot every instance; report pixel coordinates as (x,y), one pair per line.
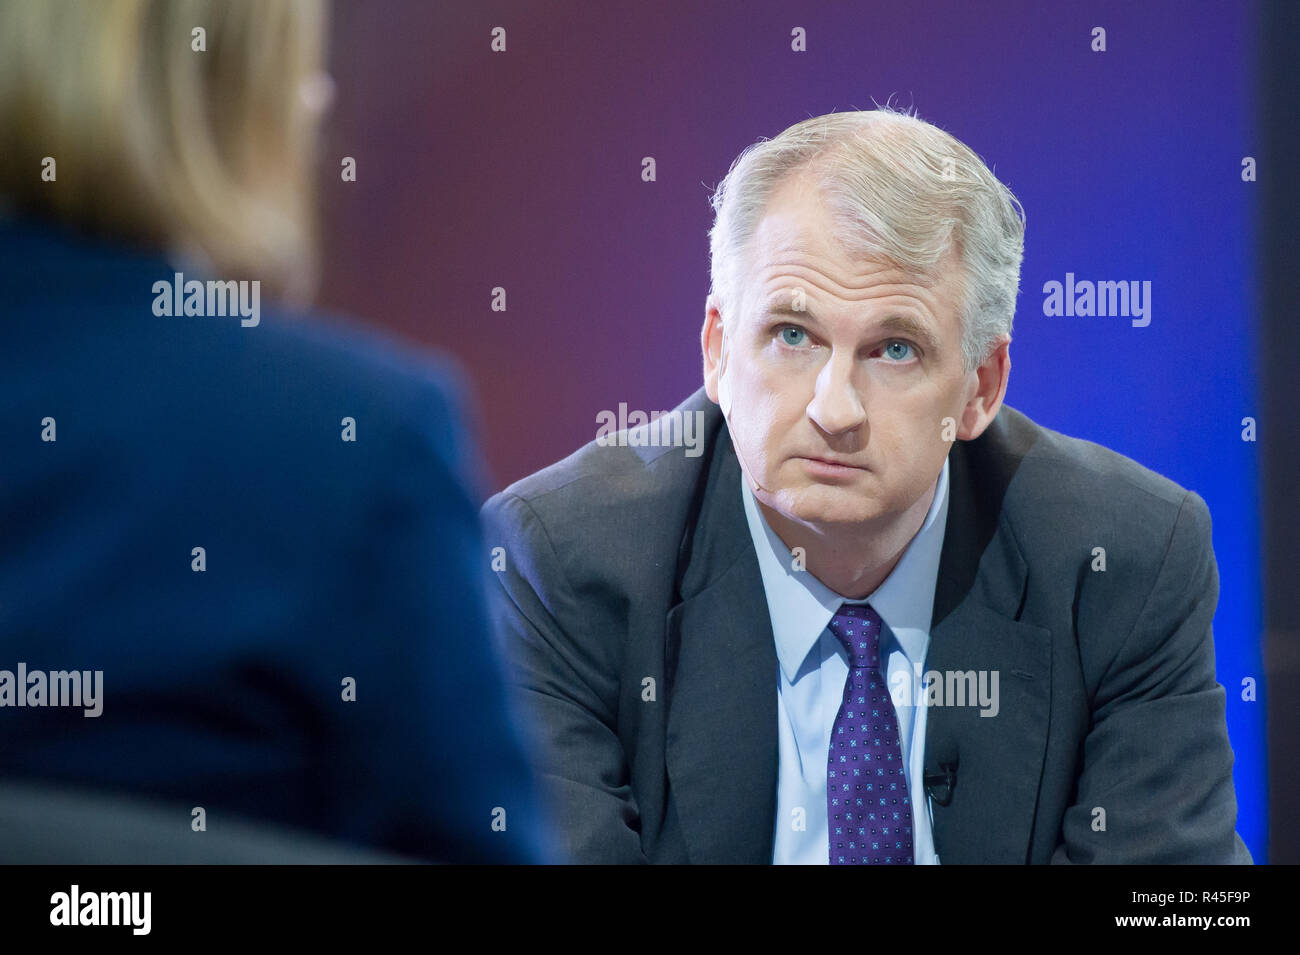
(881,618)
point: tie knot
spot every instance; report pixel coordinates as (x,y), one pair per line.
(858,627)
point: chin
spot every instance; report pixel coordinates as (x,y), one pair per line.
(825,506)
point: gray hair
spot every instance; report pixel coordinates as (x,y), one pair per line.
(898,188)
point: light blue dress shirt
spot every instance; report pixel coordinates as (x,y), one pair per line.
(814,666)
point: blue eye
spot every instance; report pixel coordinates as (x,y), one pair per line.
(793,336)
(889,350)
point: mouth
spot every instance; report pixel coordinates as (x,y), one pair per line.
(826,467)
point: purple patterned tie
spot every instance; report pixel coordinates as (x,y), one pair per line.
(868,813)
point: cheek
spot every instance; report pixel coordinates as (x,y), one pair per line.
(752,383)
(766,428)
(920,415)
(911,454)
(784,394)
(752,418)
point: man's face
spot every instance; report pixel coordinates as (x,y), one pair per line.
(837,411)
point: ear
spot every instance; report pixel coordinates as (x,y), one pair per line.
(711,346)
(989,389)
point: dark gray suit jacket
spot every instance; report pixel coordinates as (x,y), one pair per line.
(639,641)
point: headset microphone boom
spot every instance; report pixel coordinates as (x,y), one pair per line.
(724,402)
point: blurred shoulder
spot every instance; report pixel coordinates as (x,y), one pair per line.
(299,388)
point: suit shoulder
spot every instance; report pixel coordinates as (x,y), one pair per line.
(1068,491)
(401,379)
(280,399)
(639,471)
(413,408)
(620,498)
(1083,471)
(276,378)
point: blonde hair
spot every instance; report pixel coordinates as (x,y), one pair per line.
(896,187)
(199,152)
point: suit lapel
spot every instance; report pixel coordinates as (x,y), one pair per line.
(722,754)
(722,736)
(978,596)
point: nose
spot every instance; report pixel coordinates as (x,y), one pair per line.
(835,407)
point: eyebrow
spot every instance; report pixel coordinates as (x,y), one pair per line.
(894,322)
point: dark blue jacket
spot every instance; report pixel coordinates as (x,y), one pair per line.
(326,560)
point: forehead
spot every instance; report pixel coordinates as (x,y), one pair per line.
(796,245)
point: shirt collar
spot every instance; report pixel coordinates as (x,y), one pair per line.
(801,606)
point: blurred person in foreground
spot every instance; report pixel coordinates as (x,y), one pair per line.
(240,563)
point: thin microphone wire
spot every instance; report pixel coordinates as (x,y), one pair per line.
(724,396)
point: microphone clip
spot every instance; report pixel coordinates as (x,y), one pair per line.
(939,786)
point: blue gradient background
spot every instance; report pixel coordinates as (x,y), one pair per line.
(522,170)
